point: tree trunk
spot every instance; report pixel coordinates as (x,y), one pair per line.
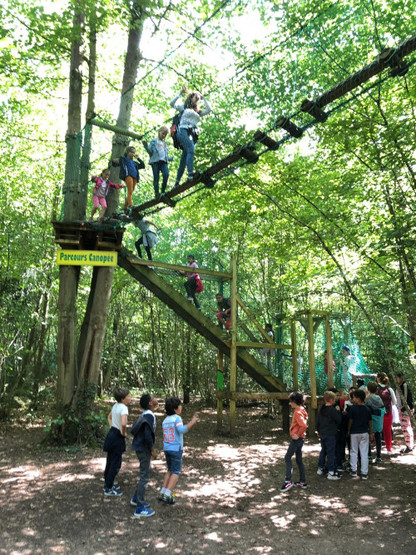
(95,319)
(131,64)
(69,275)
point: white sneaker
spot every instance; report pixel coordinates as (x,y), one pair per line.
(189,298)
(320,471)
(333,477)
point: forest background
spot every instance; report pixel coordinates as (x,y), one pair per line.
(326,222)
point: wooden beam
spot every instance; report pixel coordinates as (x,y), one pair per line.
(220,388)
(329,355)
(253,345)
(176,267)
(311,350)
(233,352)
(294,356)
(260,396)
(253,320)
(118,130)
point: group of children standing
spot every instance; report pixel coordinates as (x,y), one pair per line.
(130,164)
(356,420)
(143,431)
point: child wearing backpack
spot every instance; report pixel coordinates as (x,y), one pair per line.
(187,133)
(389,399)
(159,158)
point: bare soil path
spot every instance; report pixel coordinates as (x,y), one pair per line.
(228,498)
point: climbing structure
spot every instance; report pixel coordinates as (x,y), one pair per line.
(203,325)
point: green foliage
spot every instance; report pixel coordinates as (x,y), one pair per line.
(81,425)
(325,222)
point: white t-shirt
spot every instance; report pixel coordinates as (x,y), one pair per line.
(116,413)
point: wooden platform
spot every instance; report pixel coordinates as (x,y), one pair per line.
(89,236)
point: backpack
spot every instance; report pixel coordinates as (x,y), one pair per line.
(199,286)
(385,395)
(174,130)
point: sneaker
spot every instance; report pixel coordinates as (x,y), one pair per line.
(364,476)
(353,474)
(302,485)
(320,471)
(333,476)
(406,450)
(142,511)
(190,176)
(116,487)
(379,460)
(340,470)
(169,499)
(287,486)
(113,492)
(189,298)
(162,497)
(133,502)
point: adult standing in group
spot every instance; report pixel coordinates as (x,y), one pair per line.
(193,283)
(389,399)
(188,129)
(404,393)
(347,362)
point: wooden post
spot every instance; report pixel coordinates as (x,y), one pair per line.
(329,355)
(294,355)
(285,416)
(220,387)
(311,351)
(233,350)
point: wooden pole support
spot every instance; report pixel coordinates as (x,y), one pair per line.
(329,355)
(233,350)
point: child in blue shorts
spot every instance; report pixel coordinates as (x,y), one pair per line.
(173,431)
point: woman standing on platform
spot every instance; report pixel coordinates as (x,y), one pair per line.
(188,129)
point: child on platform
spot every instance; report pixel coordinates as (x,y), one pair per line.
(129,171)
(173,432)
(327,426)
(360,430)
(297,433)
(100,192)
(159,158)
(115,442)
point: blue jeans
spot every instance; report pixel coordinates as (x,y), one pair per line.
(144,475)
(187,158)
(328,448)
(160,167)
(295,447)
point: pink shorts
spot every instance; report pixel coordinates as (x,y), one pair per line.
(97,201)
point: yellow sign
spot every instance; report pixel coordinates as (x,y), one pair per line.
(87,258)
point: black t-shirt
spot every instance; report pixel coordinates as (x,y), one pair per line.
(360,416)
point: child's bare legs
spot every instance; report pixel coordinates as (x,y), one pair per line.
(102,212)
(170,480)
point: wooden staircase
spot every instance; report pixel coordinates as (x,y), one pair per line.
(203,325)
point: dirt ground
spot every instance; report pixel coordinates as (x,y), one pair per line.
(228,498)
